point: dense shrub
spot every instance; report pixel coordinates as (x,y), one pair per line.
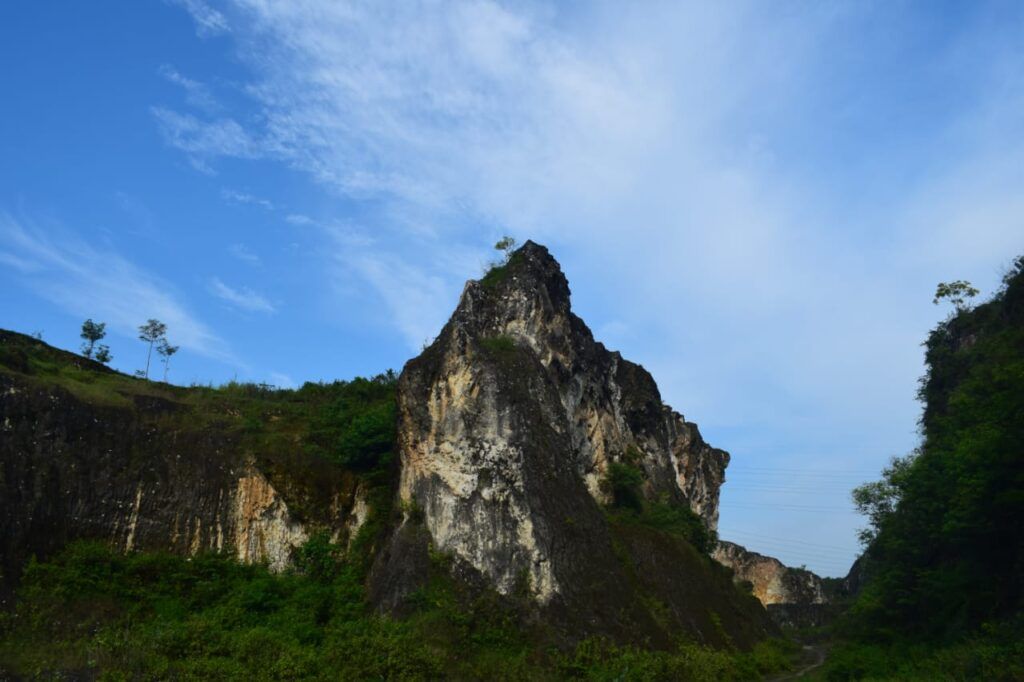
(156,616)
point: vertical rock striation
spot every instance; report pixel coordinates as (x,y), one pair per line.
(772,582)
(141,478)
(508,423)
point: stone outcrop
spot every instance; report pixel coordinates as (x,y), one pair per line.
(771,581)
(508,423)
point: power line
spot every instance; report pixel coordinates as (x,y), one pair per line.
(800,542)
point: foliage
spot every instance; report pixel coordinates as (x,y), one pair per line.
(624,481)
(877,500)
(499,272)
(958,293)
(995,653)
(156,616)
(151,332)
(499,345)
(356,425)
(166,350)
(946,539)
(93,332)
(102,354)
(507,245)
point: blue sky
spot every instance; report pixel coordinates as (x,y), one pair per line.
(753,200)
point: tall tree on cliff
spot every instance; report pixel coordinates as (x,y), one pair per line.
(151,332)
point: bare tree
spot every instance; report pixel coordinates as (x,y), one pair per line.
(151,332)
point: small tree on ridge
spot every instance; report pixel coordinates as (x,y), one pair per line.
(92,332)
(151,332)
(166,350)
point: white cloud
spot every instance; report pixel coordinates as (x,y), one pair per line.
(236,197)
(196,93)
(209,22)
(91,282)
(718,178)
(243,298)
(23,265)
(203,140)
(299,219)
(244,254)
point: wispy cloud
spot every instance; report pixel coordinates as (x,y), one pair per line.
(196,94)
(204,140)
(236,197)
(209,21)
(243,297)
(244,254)
(91,282)
(711,173)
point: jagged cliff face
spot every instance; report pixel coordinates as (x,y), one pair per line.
(508,423)
(138,479)
(773,582)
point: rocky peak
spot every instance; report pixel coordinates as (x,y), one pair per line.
(613,409)
(508,423)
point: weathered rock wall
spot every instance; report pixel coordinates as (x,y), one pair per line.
(507,425)
(773,582)
(139,478)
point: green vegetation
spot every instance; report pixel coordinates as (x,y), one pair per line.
(945,585)
(994,652)
(156,616)
(94,332)
(624,482)
(499,345)
(91,611)
(497,272)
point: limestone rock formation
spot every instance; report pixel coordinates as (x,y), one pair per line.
(508,423)
(772,581)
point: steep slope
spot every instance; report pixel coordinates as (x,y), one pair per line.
(510,425)
(947,550)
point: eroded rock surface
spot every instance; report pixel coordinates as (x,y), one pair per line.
(773,582)
(508,423)
(141,478)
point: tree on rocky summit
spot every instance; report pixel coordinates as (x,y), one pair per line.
(506,245)
(93,332)
(166,350)
(957,293)
(151,332)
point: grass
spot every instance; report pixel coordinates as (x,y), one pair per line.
(499,272)
(91,612)
(499,345)
(156,616)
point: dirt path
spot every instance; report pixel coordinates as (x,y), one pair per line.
(813,658)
